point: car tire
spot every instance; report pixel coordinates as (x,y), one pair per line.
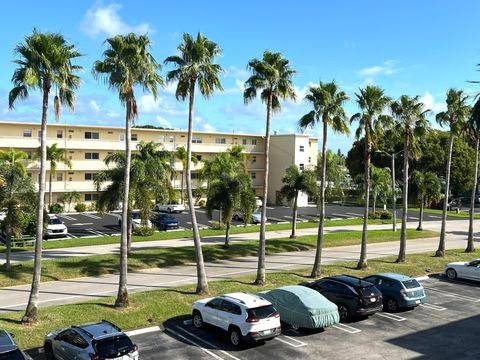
(343,311)
(236,218)
(451,273)
(235,336)
(197,319)
(47,349)
(392,305)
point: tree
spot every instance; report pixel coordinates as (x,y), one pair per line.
(45,61)
(412,124)
(272,76)
(195,66)
(380,184)
(294,182)
(127,64)
(68,198)
(327,101)
(15,188)
(237,152)
(454,118)
(428,190)
(181,154)
(337,177)
(372,103)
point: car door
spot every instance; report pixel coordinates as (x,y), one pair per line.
(210,313)
(225,314)
(75,346)
(472,271)
(64,347)
(327,289)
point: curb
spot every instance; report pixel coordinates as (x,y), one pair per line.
(421,278)
(145,330)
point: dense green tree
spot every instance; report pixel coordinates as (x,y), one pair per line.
(181,154)
(337,175)
(45,63)
(427,190)
(272,77)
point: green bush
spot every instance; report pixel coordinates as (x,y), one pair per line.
(143,231)
(384,215)
(55,208)
(93,206)
(202,203)
(215,225)
(80,207)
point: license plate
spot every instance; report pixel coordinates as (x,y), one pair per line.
(372,299)
(266,332)
(417,301)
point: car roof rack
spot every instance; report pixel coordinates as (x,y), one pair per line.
(233,298)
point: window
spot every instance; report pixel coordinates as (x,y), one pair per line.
(59,176)
(231,308)
(39,134)
(301,166)
(92,156)
(27,133)
(220,141)
(254,141)
(244,141)
(171,139)
(89,176)
(302,148)
(253,175)
(309,159)
(121,137)
(215,303)
(134,137)
(59,134)
(161,139)
(195,175)
(199,157)
(92,135)
(91,197)
(29,154)
(254,159)
(196,140)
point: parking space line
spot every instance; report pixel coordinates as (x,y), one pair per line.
(340,215)
(72,236)
(354,214)
(346,328)
(66,217)
(454,295)
(194,343)
(281,338)
(433,307)
(391,316)
(434,216)
(92,216)
(275,219)
(96,232)
(206,342)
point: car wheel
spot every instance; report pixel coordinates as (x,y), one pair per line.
(451,273)
(197,319)
(343,311)
(235,336)
(295,327)
(47,348)
(392,305)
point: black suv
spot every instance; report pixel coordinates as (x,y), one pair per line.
(352,295)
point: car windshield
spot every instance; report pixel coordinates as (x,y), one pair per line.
(262,312)
(55,221)
(115,346)
(411,284)
(12,355)
(136,215)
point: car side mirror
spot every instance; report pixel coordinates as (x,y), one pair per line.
(12,335)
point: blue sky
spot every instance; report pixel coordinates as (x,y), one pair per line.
(406,47)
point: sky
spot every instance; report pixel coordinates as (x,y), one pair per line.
(406,47)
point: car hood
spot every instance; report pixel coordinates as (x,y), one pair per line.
(458,263)
(56,227)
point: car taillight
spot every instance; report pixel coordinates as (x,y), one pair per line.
(135,348)
(94,356)
(252,320)
(276,314)
(403,292)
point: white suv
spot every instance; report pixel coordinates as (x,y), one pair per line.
(246,317)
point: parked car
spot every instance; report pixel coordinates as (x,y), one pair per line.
(101,340)
(302,307)
(9,349)
(398,291)
(453,204)
(164,222)
(136,219)
(353,296)
(258,202)
(465,270)
(256,216)
(55,227)
(246,317)
(169,208)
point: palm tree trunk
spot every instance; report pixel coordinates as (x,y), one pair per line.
(50,189)
(293,235)
(260,280)
(420,221)
(182,194)
(202,284)
(227,235)
(362,263)
(441,245)
(470,245)
(403,231)
(31,311)
(8,240)
(316,270)
(374,208)
(122,295)
(129,231)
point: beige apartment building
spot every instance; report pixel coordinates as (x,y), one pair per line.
(88,145)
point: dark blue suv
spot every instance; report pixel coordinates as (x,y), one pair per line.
(164,222)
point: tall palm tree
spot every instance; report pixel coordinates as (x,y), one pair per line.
(127,64)
(473,124)
(454,118)
(412,124)
(195,66)
(44,62)
(181,154)
(272,76)
(372,102)
(428,189)
(327,101)
(294,182)
(238,153)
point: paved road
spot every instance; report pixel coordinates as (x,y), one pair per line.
(88,288)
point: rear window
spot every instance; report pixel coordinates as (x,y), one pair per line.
(411,284)
(368,290)
(12,355)
(262,312)
(114,346)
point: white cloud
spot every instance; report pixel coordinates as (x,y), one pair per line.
(148,104)
(387,68)
(94,105)
(236,72)
(207,127)
(164,122)
(106,20)
(430,103)
(237,89)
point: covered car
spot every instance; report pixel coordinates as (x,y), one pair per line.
(302,307)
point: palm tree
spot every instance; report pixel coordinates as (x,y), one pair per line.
(272,76)
(195,65)
(474,131)
(237,152)
(412,124)
(379,184)
(45,61)
(296,181)
(327,101)
(372,102)
(428,190)
(128,64)
(454,117)
(181,154)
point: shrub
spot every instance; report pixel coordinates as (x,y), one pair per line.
(93,206)
(55,208)
(215,225)
(143,231)
(385,215)
(80,207)
(202,203)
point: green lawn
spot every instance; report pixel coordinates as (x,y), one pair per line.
(461,214)
(68,268)
(156,307)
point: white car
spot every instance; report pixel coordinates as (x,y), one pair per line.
(55,227)
(136,219)
(465,270)
(170,208)
(246,317)
(256,216)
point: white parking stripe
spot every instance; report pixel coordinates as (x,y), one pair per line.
(354,214)
(433,307)
(340,215)
(72,236)
(391,316)
(194,343)
(434,216)
(96,232)
(346,328)
(454,295)
(91,216)
(413,218)
(299,343)
(275,219)
(66,217)
(206,342)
